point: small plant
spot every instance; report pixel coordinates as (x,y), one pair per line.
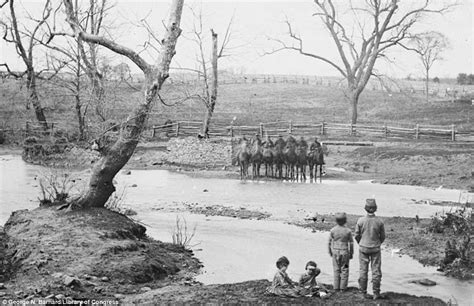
(181,235)
(459,221)
(55,188)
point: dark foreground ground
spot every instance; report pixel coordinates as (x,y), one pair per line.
(102,255)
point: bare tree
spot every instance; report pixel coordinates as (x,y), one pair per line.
(12,34)
(382,24)
(117,155)
(207,71)
(428,46)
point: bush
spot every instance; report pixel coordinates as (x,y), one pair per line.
(459,221)
(55,188)
(181,235)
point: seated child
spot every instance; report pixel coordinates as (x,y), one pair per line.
(309,285)
(308,279)
(282,285)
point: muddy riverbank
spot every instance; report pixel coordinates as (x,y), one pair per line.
(409,236)
(446,165)
(101,255)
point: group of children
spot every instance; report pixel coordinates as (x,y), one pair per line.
(369,234)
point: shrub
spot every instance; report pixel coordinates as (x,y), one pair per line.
(181,235)
(459,221)
(55,188)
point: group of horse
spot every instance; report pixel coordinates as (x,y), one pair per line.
(290,155)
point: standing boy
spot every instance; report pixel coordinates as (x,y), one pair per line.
(370,234)
(341,249)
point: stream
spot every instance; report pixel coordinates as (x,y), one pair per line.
(234,250)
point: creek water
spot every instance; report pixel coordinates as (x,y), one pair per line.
(234,250)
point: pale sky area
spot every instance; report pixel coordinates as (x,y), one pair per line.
(256,21)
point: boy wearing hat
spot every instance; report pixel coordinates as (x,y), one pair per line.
(370,234)
(341,249)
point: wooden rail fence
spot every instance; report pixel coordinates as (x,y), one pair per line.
(307,129)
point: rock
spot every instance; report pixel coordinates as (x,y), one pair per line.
(145,289)
(119,296)
(129,212)
(134,185)
(127,172)
(49,296)
(59,296)
(71,281)
(57,275)
(424,282)
(205,190)
(2,286)
(86,276)
(2,293)
(105,279)
(19,293)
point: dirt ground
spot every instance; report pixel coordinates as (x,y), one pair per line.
(63,256)
(94,254)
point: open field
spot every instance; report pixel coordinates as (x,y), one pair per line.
(247,103)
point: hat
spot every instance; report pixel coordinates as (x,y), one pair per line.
(370,205)
(370,202)
(311,267)
(341,215)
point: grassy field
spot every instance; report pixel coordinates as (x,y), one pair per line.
(247,103)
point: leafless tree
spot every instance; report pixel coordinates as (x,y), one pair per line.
(428,46)
(381,25)
(208,75)
(117,155)
(25,42)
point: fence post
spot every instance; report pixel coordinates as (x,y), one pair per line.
(453,133)
(153,133)
(177,129)
(290,128)
(385,130)
(261,130)
(27,131)
(232,131)
(352,129)
(417,131)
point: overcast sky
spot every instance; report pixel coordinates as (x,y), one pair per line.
(256,21)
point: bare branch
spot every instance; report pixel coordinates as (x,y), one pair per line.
(14,74)
(300,48)
(79,32)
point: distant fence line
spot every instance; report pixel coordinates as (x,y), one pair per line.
(306,129)
(389,85)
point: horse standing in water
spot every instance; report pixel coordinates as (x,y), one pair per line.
(301,162)
(279,156)
(243,157)
(267,157)
(256,156)
(290,159)
(315,159)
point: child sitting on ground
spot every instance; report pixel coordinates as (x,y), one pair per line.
(309,285)
(282,285)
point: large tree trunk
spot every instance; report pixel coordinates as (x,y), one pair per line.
(427,93)
(116,156)
(354,100)
(210,105)
(34,99)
